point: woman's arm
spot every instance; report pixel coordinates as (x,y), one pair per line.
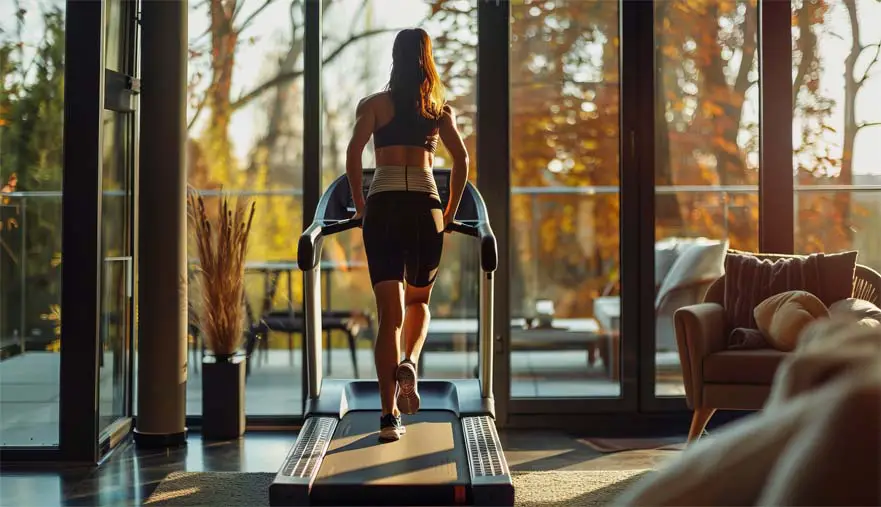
(451,138)
(364,122)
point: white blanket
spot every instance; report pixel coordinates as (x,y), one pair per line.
(818,440)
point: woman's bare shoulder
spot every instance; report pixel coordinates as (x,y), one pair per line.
(373,99)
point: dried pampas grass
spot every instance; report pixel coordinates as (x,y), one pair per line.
(221,244)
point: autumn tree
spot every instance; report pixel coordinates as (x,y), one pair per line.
(31,113)
(273,165)
(826,219)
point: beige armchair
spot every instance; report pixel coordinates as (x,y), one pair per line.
(719,379)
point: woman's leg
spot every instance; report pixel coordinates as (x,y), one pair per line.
(385,260)
(387,350)
(416,318)
(422,267)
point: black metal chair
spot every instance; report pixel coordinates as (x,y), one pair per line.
(291,322)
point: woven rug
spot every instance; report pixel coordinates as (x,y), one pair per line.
(611,445)
(533,489)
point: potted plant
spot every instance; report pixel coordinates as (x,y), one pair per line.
(221,238)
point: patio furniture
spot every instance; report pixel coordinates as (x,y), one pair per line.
(684,270)
(720,378)
(349,322)
(446,335)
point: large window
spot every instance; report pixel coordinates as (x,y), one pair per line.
(837,127)
(245,137)
(706,162)
(358,39)
(565,199)
(31,113)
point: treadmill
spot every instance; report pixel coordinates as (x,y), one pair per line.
(450,454)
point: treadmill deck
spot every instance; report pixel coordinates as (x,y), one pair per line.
(428,462)
(431,452)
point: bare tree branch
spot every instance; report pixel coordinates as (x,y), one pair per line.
(237,9)
(872,63)
(250,18)
(357,16)
(197,113)
(284,77)
(869,124)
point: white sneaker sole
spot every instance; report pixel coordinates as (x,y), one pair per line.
(390,434)
(408,396)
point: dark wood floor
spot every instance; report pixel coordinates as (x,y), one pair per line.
(130,475)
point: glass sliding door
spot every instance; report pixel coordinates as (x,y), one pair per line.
(363,69)
(244,117)
(837,128)
(32,107)
(116,287)
(706,166)
(565,207)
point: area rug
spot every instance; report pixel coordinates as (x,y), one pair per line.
(610,445)
(533,489)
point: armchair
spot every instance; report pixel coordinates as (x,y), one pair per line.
(718,378)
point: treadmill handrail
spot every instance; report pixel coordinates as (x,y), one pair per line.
(308,249)
(309,245)
(489,259)
(309,257)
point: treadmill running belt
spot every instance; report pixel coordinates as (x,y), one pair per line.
(428,465)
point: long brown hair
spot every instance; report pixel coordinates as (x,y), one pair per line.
(414,83)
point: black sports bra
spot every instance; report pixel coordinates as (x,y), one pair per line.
(402,131)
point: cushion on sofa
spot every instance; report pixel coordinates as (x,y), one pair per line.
(828,336)
(756,367)
(782,317)
(750,280)
(742,338)
(859,308)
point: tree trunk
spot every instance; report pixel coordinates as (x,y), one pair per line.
(223,46)
(667,211)
(851,88)
(807,46)
(726,124)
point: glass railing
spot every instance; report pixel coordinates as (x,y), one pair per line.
(564,244)
(30,272)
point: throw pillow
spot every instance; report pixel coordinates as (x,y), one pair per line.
(782,317)
(742,338)
(859,308)
(666,252)
(750,280)
(700,262)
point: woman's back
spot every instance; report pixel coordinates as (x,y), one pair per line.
(407,139)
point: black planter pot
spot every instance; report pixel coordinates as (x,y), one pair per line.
(223,397)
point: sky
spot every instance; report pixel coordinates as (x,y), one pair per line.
(269,29)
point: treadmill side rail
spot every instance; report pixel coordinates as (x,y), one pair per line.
(491,482)
(299,469)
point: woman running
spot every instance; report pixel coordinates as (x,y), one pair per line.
(403,218)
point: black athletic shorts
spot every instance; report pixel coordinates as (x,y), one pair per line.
(403,237)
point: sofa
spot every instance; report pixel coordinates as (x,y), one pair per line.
(732,368)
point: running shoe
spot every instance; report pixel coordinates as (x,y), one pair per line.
(408,392)
(390,428)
